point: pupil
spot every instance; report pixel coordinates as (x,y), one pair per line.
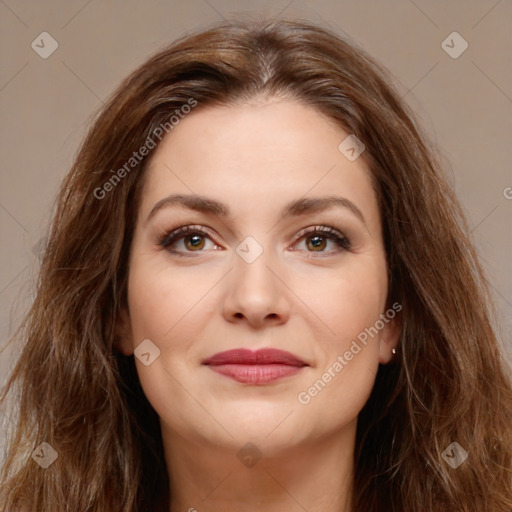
(195,240)
(317,241)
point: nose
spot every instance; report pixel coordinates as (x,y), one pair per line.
(256,293)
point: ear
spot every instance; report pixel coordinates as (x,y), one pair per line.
(123,338)
(390,336)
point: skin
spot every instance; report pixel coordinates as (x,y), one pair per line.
(311,301)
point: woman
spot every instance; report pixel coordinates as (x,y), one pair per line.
(259,294)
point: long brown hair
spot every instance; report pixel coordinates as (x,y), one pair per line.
(75,391)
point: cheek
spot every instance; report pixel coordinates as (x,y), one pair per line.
(161,298)
(163,303)
(348,300)
(350,304)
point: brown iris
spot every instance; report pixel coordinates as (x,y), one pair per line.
(196,242)
(316,242)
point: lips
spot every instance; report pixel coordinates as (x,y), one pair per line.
(255,367)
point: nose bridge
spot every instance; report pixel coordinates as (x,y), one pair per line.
(254,290)
(251,263)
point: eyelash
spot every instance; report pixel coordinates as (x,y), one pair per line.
(327,231)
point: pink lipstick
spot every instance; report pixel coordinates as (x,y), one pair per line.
(260,367)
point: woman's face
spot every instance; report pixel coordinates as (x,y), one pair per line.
(253,274)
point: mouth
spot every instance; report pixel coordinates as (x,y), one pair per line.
(260,367)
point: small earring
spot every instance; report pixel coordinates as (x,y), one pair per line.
(393,350)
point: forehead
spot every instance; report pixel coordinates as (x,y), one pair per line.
(257,155)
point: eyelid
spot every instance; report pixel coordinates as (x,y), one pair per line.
(322,228)
(340,239)
(178,233)
(330,232)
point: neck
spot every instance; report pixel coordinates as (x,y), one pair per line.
(313,477)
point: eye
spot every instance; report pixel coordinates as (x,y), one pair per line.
(192,238)
(317,238)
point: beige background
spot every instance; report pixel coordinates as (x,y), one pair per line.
(464,103)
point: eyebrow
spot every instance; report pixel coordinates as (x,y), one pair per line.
(297,207)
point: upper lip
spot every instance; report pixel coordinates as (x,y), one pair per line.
(258,357)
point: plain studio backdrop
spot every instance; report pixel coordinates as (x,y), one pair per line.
(61,59)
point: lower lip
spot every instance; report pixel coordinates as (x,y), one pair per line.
(256,374)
